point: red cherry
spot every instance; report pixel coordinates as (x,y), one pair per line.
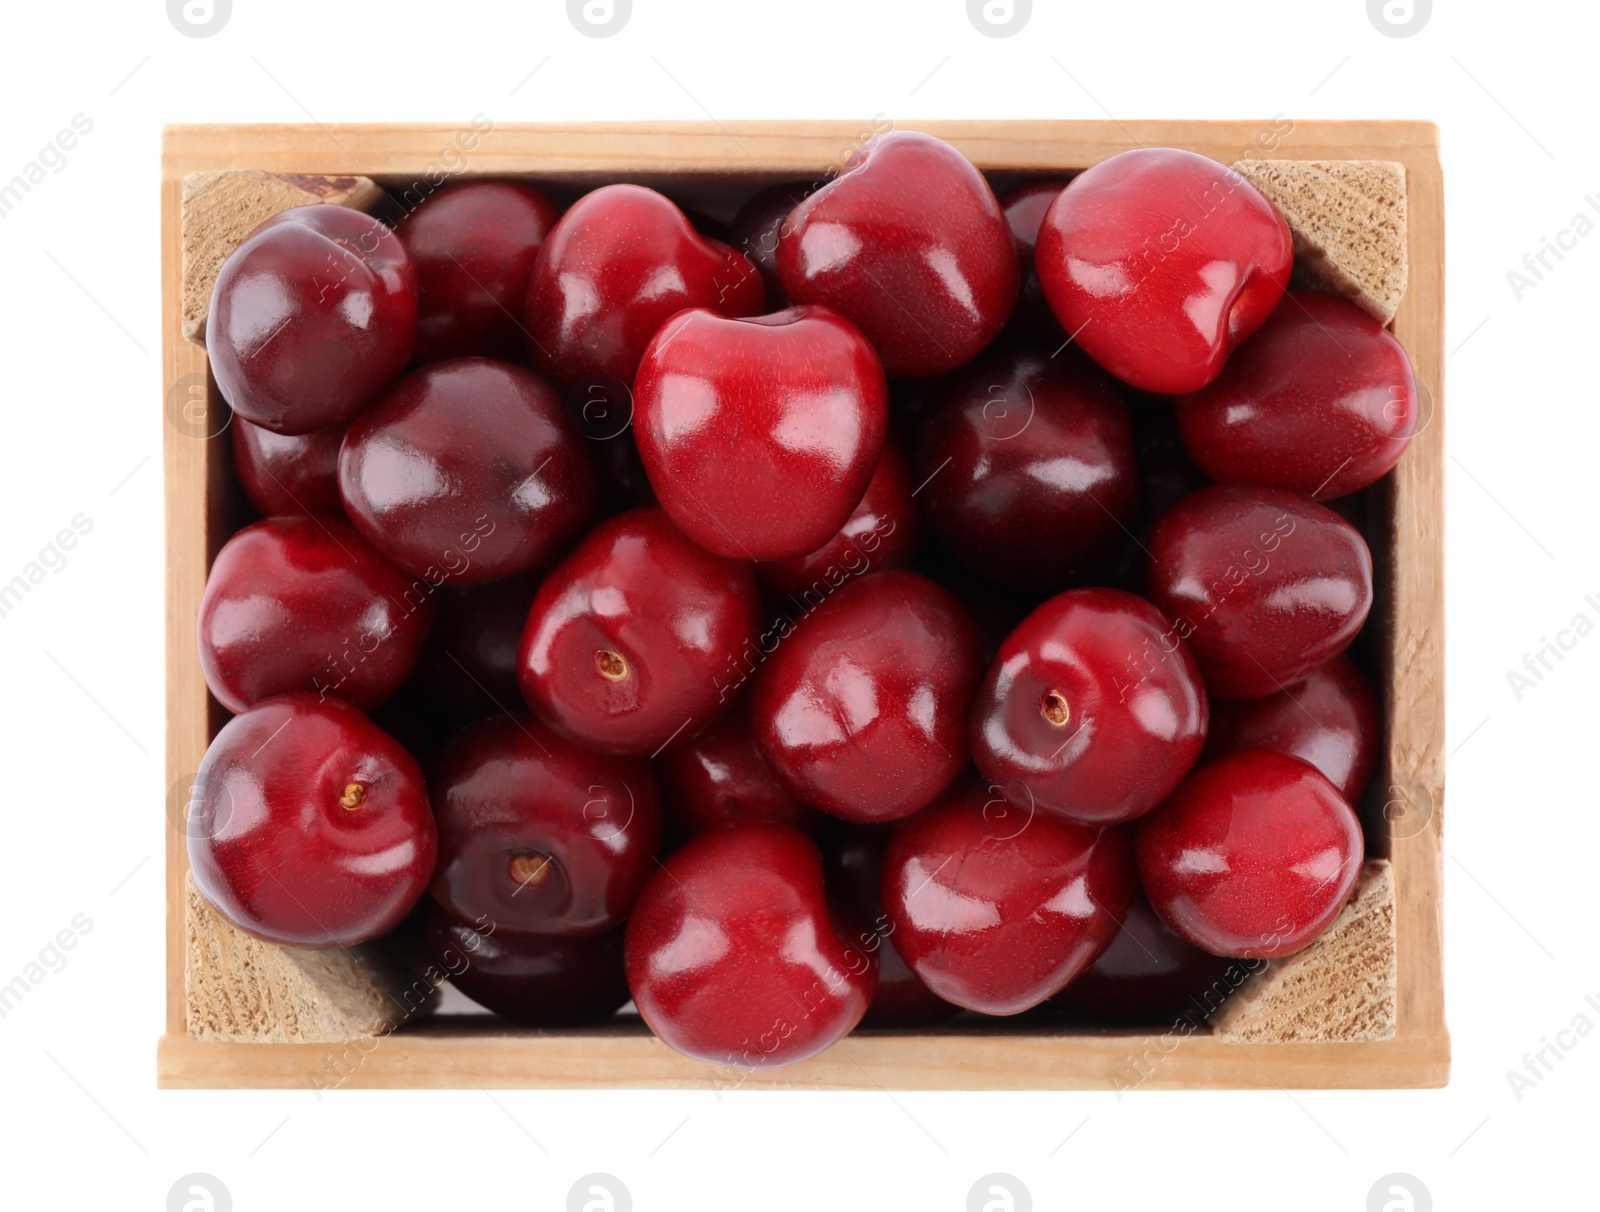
(615,268)
(468,471)
(469,664)
(307,604)
(1159,262)
(1093,711)
(995,910)
(733,414)
(309,826)
(288,473)
(473,243)
(1321,401)
(908,242)
(1330,720)
(638,637)
(884,531)
(760,224)
(718,779)
(310,316)
(734,956)
(1253,855)
(1024,207)
(861,712)
(535,835)
(541,982)
(1026,466)
(1264,585)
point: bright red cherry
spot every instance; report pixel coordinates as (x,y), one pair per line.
(468,471)
(1093,711)
(1159,263)
(1263,584)
(310,317)
(1321,402)
(308,604)
(1024,207)
(996,910)
(469,664)
(719,779)
(1330,720)
(288,473)
(862,711)
(909,242)
(1026,466)
(638,637)
(473,243)
(734,955)
(760,224)
(1253,855)
(884,531)
(537,836)
(734,415)
(309,827)
(615,267)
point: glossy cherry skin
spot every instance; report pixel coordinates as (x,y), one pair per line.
(1027,467)
(468,471)
(469,664)
(1321,401)
(1024,207)
(884,531)
(473,243)
(288,473)
(1160,262)
(309,826)
(760,224)
(718,779)
(617,266)
(1093,711)
(996,911)
(310,317)
(909,242)
(308,604)
(1330,719)
(861,712)
(735,415)
(852,860)
(735,956)
(540,982)
(1151,974)
(1263,584)
(538,836)
(1253,855)
(638,637)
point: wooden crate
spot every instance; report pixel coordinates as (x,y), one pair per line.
(694,160)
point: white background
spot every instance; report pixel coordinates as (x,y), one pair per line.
(1512,86)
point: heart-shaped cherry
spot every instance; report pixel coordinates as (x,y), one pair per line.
(733,415)
(1024,207)
(288,473)
(719,779)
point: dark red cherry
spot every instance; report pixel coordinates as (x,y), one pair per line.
(735,957)
(1159,263)
(1263,584)
(615,267)
(537,836)
(1093,711)
(473,243)
(1026,466)
(759,225)
(310,317)
(1321,401)
(541,982)
(638,637)
(909,243)
(1253,855)
(469,664)
(996,910)
(733,415)
(308,604)
(1330,720)
(288,473)
(861,712)
(309,827)
(1024,207)
(468,471)
(718,779)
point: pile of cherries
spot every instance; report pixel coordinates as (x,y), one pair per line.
(901,601)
